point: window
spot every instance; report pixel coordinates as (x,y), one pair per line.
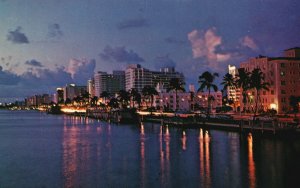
(272,92)
(283,83)
(264,92)
(283,92)
(282,65)
(282,73)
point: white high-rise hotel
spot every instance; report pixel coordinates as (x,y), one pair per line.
(138,77)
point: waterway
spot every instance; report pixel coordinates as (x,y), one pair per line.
(40,150)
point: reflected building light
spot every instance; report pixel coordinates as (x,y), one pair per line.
(167,140)
(201,157)
(207,157)
(183,140)
(204,158)
(251,163)
(142,153)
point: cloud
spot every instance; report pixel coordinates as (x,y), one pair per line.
(54,31)
(173,40)
(164,61)
(249,42)
(120,54)
(39,80)
(34,63)
(133,23)
(204,45)
(17,37)
(8,78)
(81,70)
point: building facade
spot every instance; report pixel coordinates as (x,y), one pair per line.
(71,91)
(111,83)
(233,93)
(283,74)
(138,77)
(187,101)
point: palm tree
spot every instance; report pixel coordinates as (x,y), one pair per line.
(133,95)
(176,84)
(149,91)
(113,103)
(206,81)
(94,101)
(228,81)
(104,95)
(124,97)
(258,83)
(243,82)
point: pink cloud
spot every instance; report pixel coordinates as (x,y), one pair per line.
(204,44)
(249,42)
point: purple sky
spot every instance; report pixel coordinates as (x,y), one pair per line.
(46,44)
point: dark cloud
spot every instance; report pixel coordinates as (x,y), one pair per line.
(8,78)
(164,61)
(17,37)
(37,80)
(34,63)
(81,70)
(133,23)
(120,54)
(173,40)
(54,31)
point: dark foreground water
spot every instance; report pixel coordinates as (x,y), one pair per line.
(40,150)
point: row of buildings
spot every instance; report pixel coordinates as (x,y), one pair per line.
(283,74)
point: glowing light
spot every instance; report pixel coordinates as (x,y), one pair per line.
(273,106)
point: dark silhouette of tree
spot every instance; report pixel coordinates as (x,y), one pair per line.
(135,97)
(94,101)
(68,101)
(176,85)
(149,91)
(124,98)
(243,82)
(206,81)
(257,82)
(113,103)
(105,95)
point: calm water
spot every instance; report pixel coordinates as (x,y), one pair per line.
(40,150)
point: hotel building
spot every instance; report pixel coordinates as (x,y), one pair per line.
(283,74)
(138,77)
(111,83)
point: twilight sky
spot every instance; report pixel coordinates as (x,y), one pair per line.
(46,44)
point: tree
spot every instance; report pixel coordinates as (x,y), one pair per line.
(177,85)
(228,81)
(243,82)
(206,81)
(113,103)
(135,97)
(257,82)
(294,103)
(104,95)
(94,101)
(124,98)
(149,91)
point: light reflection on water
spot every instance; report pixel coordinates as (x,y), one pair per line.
(81,152)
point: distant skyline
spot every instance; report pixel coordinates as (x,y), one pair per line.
(46,44)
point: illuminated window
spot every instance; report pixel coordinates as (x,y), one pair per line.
(282,73)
